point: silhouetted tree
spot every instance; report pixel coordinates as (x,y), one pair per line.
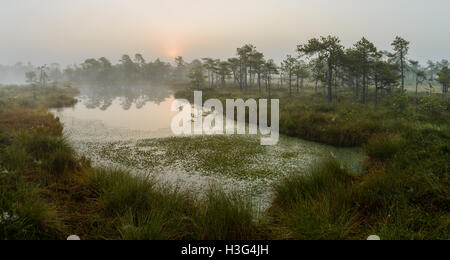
(244,54)
(257,62)
(318,69)
(235,69)
(210,66)
(196,75)
(328,49)
(223,71)
(444,79)
(385,76)
(30,77)
(288,66)
(419,73)
(270,68)
(180,68)
(366,53)
(301,73)
(401,48)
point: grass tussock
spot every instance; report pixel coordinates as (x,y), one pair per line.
(384,146)
(225,217)
(144,211)
(316,205)
(24,213)
(39,155)
(139,208)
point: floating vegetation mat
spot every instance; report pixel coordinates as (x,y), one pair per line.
(235,163)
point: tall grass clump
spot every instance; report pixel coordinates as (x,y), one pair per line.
(121,191)
(316,205)
(141,209)
(24,214)
(52,154)
(150,225)
(384,146)
(223,216)
(146,211)
(327,176)
(15,158)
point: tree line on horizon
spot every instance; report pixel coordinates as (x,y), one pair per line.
(322,61)
(102,72)
(327,62)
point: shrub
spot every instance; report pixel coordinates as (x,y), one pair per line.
(400,101)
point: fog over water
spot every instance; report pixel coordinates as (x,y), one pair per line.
(69,31)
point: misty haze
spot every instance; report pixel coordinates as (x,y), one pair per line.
(88,150)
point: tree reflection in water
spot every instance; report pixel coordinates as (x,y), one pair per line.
(102,97)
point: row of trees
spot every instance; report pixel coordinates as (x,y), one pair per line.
(324,60)
(103,72)
(247,70)
(321,61)
(128,71)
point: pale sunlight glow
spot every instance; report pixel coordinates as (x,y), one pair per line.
(43,31)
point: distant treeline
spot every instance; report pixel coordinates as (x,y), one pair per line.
(322,61)
(103,72)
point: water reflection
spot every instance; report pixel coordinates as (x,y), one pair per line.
(102,97)
(127,109)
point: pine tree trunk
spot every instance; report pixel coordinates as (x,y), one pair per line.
(357,88)
(290,84)
(259,82)
(330,81)
(403,70)
(364,88)
(376,91)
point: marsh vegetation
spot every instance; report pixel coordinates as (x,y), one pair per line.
(361,152)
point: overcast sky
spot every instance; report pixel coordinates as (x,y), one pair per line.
(68,31)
